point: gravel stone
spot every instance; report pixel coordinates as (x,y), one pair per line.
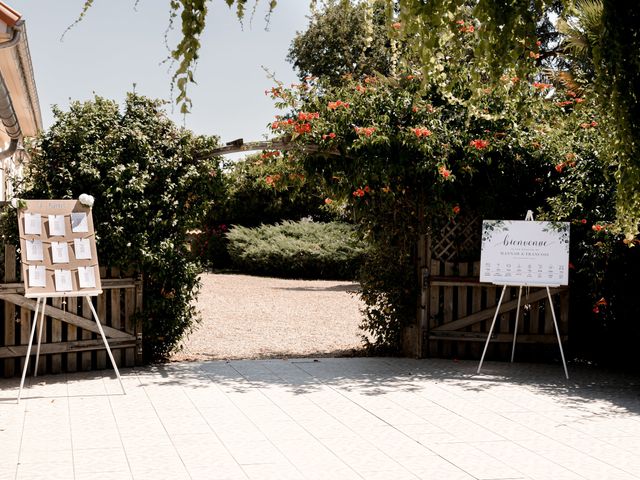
(246,317)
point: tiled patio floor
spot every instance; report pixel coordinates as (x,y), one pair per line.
(360,418)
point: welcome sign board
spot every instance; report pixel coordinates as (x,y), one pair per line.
(517,252)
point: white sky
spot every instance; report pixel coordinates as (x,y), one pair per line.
(116,46)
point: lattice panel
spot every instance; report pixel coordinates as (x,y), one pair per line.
(457,240)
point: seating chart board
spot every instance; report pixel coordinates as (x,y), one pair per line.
(58,249)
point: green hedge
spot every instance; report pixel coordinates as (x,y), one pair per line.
(302,249)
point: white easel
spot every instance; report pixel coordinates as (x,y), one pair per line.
(529,217)
(40,309)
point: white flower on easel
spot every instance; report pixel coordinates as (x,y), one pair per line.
(18,203)
(86,200)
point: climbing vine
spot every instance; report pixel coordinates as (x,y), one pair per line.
(508,40)
(413,158)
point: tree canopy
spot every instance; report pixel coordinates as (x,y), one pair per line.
(342,39)
(150,186)
(449,143)
(507,43)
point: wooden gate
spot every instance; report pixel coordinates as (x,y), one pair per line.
(71,339)
(456,310)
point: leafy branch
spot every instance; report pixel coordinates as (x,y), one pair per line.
(193,17)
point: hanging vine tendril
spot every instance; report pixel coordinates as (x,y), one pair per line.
(193,17)
(507,43)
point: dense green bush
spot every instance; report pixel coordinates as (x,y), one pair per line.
(264,188)
(604,269)
(411,161)
(303,249)
(150,187)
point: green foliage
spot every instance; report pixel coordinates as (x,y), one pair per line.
(604,271)
(618,77)
(414,157)
(344,39)
(303,249)
(268,188)
(510,37)
(263,188)
(150,188)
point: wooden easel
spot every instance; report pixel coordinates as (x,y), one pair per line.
(59,260)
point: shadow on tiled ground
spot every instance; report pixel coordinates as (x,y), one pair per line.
(357,418)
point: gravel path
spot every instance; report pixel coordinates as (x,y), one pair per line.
(259,317)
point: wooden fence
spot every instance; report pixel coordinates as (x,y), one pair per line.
(455,310)
(71,339)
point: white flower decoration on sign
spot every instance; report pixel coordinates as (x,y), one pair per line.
(86,200)
(18,203)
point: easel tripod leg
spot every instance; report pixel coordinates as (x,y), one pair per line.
(493,324)
(515,330)
(555,323)
(26,360)
(106,344)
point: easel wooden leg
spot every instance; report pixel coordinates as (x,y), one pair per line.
(515,330)
(555,323)
(35,371)
(106,344)
(493,324)
(33,331)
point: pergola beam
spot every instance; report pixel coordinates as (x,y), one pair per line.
(238,145)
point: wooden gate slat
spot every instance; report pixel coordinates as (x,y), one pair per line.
(65,347)
(56,337)
(129,312)
(9,308)
(489,312)
(548,318)
(476,305)
(138,323)
(115,315)
(70,336)
(505,338)
(65,316)
(25,326)
(9,334)
(434,304)
(447,307)
(57,302)
(101,310)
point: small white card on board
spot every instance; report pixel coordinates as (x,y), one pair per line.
(59,252)
(34,250)
(56,225)
(79,223)
(82,248)
(86,277)
(37,276)
(32,224)
(63,280)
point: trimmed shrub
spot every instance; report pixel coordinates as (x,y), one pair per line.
(261,189)
(302,249)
